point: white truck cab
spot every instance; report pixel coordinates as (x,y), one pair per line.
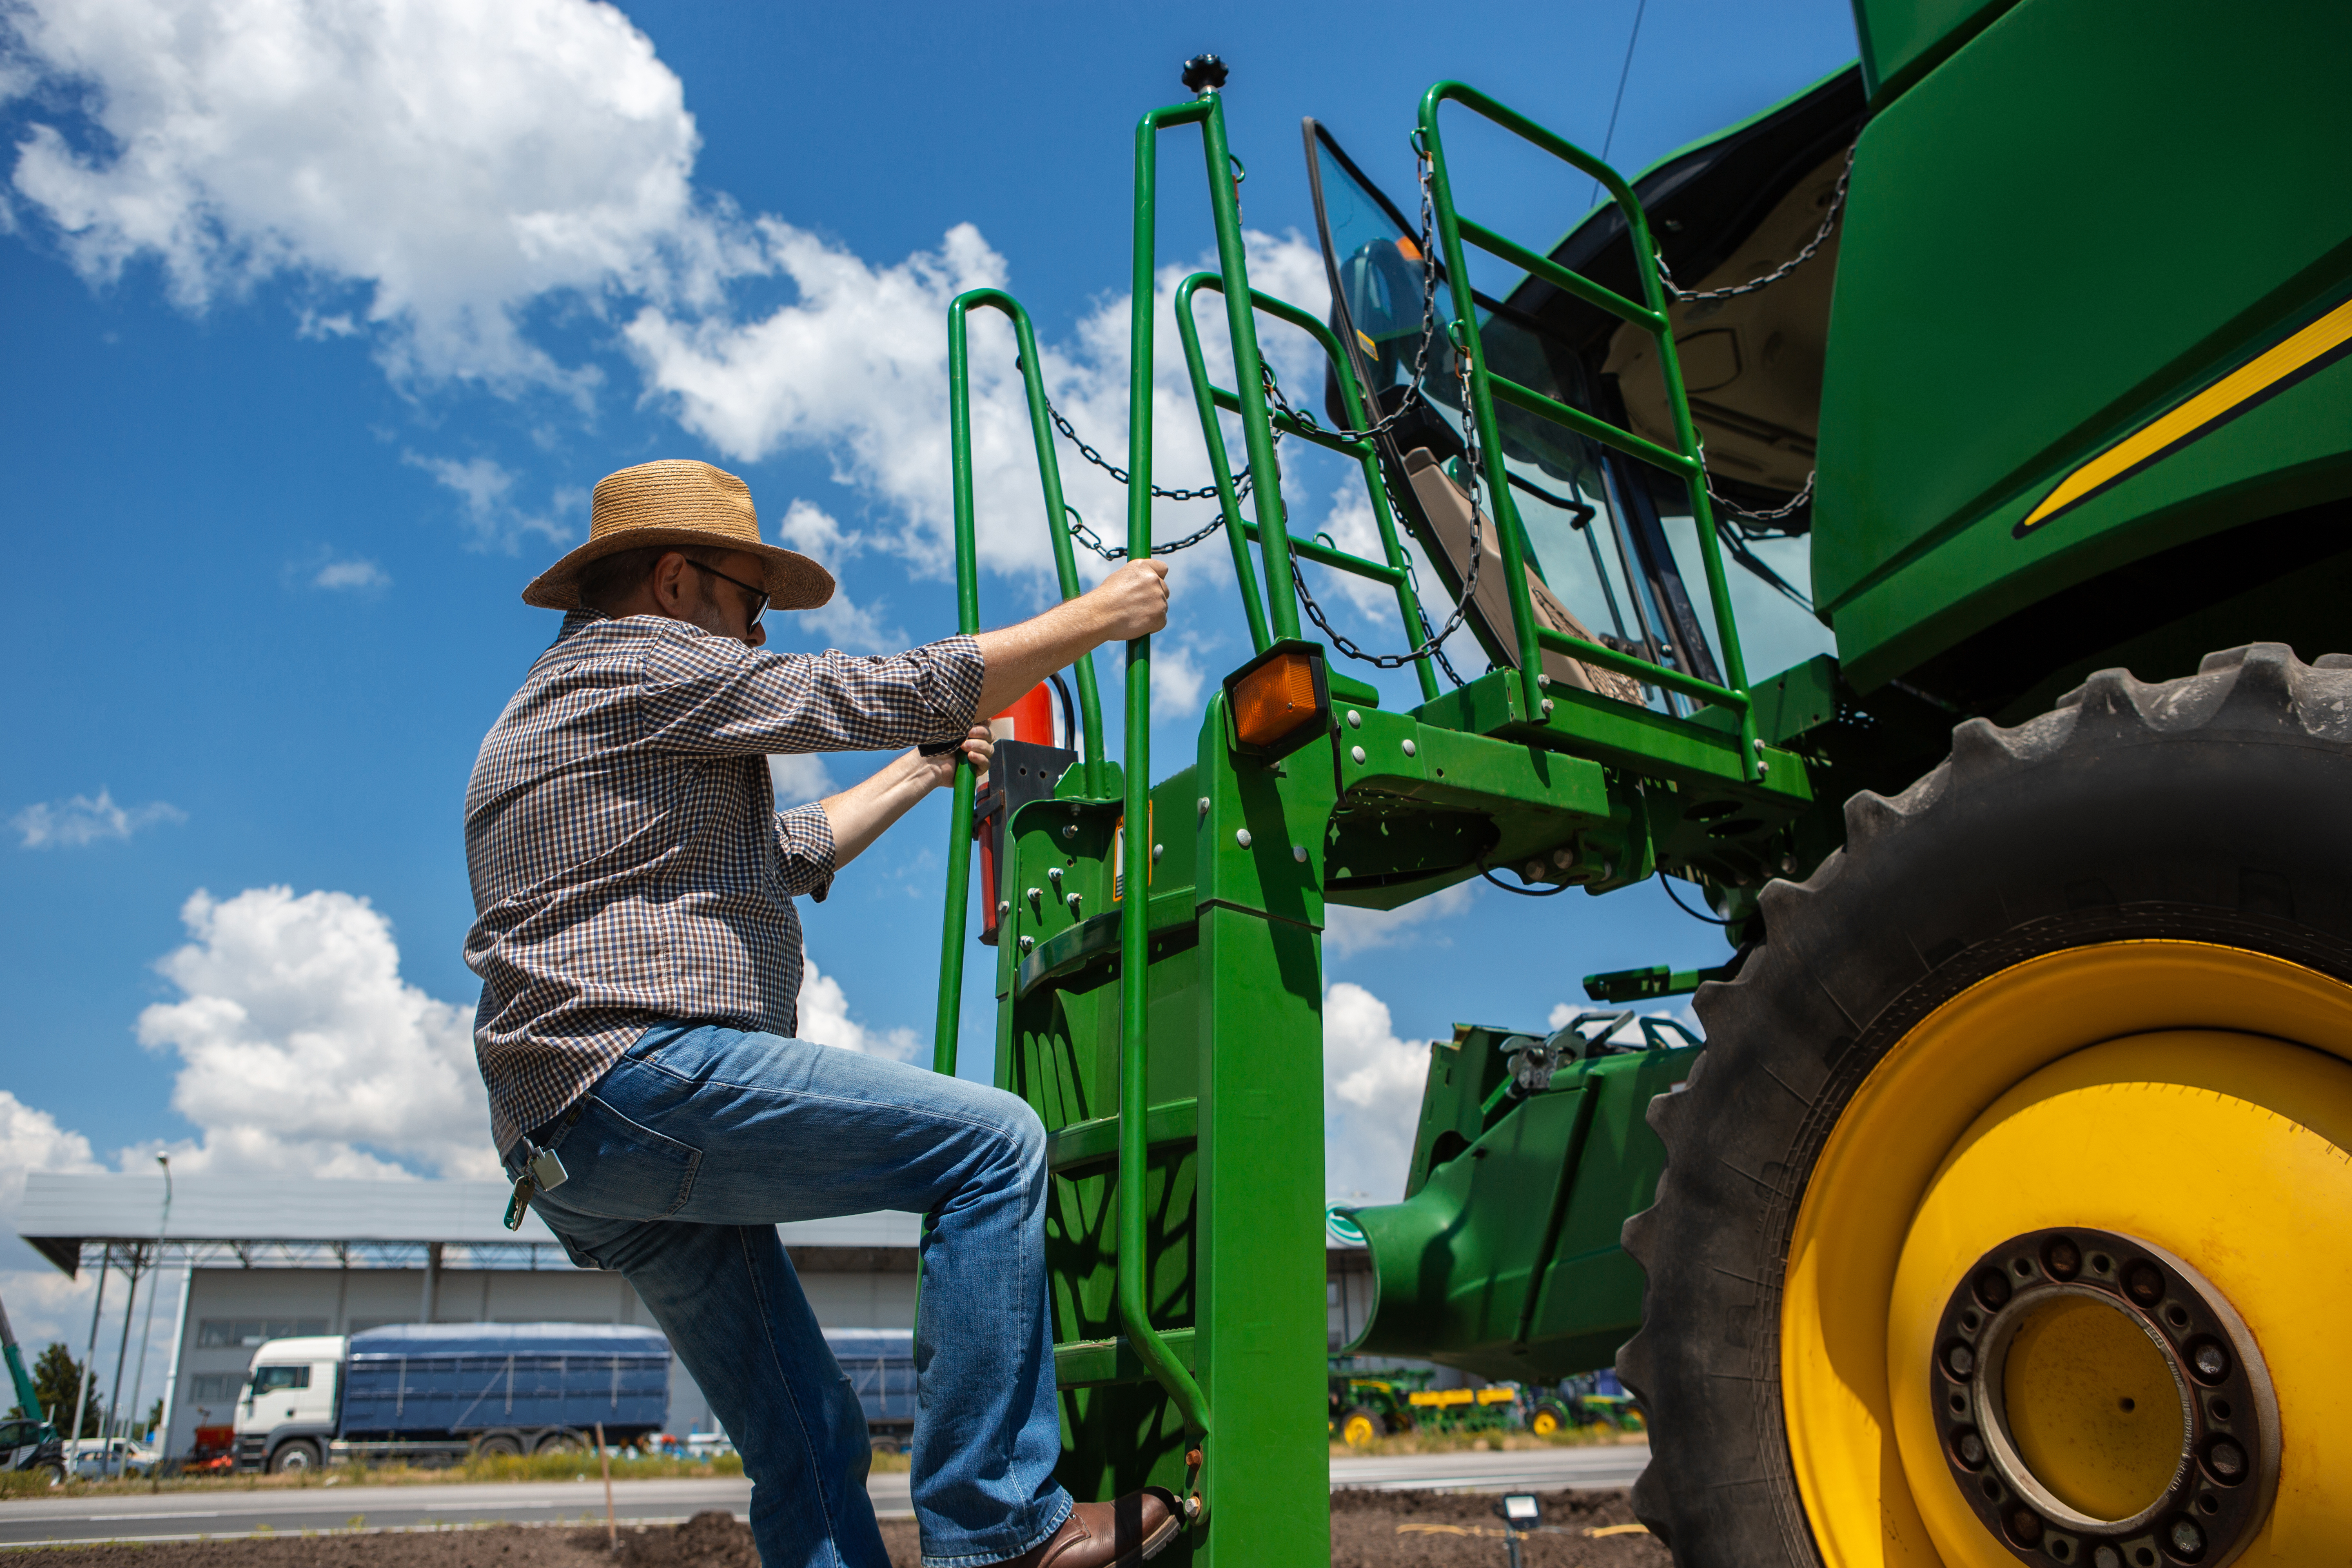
(286,1417)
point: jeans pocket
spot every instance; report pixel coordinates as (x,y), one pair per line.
(622,1169)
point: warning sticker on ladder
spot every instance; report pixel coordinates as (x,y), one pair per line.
(1118,854)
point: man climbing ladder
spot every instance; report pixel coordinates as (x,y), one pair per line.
(641,964)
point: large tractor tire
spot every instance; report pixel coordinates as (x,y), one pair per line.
(2008,1214)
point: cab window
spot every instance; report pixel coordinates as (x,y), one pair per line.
(266,1378)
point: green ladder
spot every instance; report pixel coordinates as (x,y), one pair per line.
(1158,977)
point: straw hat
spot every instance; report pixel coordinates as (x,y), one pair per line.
(677,501)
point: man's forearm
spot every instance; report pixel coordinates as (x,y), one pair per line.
(1132,602)
(859,813)
(1020,657)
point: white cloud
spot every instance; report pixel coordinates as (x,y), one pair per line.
(824,1018)
(1348,931)
(80,819)
(1371,1096)
(302,1050)
(443,178)
(486,488)
(1176,678)
(856,366)
(350,574)
(42,1303)
(799,778)
(430,167)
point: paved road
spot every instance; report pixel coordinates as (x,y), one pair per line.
(170,1516)
(181,1515)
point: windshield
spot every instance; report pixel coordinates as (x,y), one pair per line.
(1378,279)
(266,1378)
(1590,519)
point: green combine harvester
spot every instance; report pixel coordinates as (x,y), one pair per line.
(2005,1213)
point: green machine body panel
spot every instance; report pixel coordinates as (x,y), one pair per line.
(2078,402)
(2088,212)
(1504,1259)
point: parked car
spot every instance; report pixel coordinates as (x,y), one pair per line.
(91,1458)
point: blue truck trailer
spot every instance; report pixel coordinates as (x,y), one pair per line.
(880,1366)
(434,1392)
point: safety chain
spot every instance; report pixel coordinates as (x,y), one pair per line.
(1821,238)
(1086,535)
(1431,641)
(1241,481)
(1801,499)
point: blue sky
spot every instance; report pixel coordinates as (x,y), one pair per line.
(320,329)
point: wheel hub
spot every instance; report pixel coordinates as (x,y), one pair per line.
(2099,1402)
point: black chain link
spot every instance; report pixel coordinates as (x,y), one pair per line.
(1431,641)
(1086,535)
(1821,238)
(1241,481)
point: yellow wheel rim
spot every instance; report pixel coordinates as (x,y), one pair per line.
(2195,1095)
(1359,1430)
(1544,1425)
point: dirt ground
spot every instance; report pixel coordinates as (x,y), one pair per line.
(1369,1529)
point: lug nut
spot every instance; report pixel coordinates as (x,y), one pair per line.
(1027,943)
(1563,858)
(2062,1259)
(2145,1285)
(1971,1449)
(1961,1360)
(2226,1460)
(2187,1540)
(1054,875)
(2211,1362)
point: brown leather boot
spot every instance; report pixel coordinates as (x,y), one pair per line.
(1114,1534)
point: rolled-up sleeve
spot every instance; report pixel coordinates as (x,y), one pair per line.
(712,696)
(804,851)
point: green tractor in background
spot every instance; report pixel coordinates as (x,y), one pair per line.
(2005,1212)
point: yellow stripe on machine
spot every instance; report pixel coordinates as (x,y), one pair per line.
(2311,349)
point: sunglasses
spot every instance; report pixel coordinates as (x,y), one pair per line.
(758,596)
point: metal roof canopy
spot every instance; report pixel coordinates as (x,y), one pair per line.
(245,1220)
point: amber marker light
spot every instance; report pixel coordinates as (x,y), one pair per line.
(1279,700)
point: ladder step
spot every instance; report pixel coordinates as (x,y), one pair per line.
(1094,1143)
(1089,1363)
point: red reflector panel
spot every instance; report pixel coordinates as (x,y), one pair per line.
(1273,700)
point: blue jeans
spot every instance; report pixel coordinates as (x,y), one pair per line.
(683,1159)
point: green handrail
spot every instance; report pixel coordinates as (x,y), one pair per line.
(1257,433)
(949,1024)
(1210,398)
(1651,316)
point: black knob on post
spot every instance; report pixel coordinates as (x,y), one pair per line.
(1204,73)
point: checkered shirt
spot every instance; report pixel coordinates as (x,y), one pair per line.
(628,861)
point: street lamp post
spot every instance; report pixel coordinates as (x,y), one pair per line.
(147,1333)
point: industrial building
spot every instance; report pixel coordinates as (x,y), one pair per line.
(242,1260)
